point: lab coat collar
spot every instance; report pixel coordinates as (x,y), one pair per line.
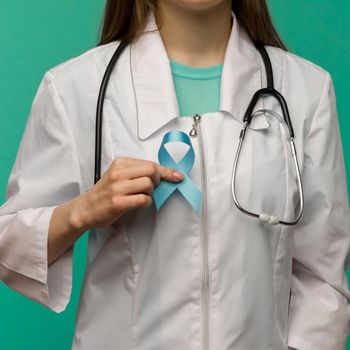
(154,88)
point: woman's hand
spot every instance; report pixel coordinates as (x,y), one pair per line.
(127,184)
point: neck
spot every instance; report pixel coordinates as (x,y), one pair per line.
(195,38)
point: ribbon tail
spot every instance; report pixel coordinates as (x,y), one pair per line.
(192,194)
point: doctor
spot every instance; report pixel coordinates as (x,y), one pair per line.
(175,278)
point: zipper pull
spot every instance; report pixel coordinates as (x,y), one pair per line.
(196,119)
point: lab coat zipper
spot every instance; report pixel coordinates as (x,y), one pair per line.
(196,131)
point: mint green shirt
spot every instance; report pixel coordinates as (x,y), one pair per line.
(197,88)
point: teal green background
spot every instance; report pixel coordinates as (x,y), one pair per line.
(37,35)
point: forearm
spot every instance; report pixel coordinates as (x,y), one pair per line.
(67,224)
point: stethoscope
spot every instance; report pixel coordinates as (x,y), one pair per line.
(269,90)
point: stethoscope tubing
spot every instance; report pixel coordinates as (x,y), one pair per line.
(99,110)
(268,90)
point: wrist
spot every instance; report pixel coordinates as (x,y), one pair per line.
(79,215)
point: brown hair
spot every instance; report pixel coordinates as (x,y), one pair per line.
(125,20)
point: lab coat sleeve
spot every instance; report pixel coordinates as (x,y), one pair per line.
(319,305)
(45,173)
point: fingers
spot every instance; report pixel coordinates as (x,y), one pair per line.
(122,204)
(128,184)
(135,172)
(168,173)
(132,168)
(138,185)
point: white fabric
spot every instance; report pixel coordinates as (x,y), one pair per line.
(142,288)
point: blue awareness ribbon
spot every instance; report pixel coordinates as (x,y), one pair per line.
(186,186)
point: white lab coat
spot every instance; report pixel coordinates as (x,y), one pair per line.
(143,287)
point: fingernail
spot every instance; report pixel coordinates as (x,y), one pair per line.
(177,175)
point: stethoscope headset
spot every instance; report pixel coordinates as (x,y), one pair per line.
(268,90)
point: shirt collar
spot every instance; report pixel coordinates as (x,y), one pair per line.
(154,89)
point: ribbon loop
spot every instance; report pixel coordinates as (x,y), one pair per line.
(186,186)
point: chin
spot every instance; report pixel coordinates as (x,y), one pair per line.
(196,5)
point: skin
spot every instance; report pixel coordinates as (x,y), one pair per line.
(194,32)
